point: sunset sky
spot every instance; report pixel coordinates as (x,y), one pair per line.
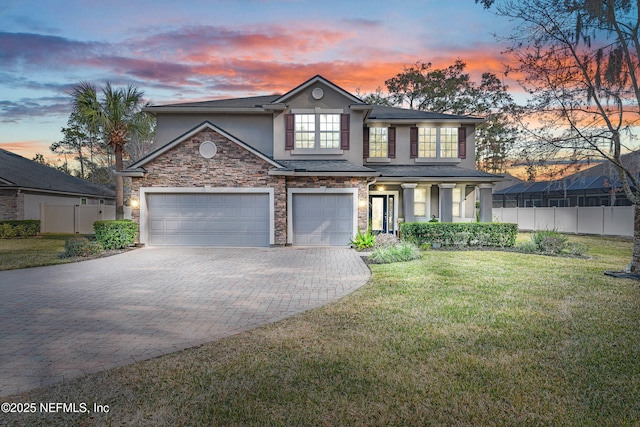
(206,49)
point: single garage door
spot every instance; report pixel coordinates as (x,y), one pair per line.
(322,219)
(225,219)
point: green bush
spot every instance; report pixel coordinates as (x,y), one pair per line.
(81,247)
(403,251)
(23,228)
(364,240)
(116,234)
(550,242)
(460,233)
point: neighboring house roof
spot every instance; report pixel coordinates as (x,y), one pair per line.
(432,171)
(17,172)
(601,184)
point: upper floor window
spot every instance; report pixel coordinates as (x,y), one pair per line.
(329,130)
(448,142)
(427,142)
(378,142)
(316,131)
(305,130)
(438,142)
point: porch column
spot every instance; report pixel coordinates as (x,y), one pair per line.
(408,198)
(446,202)
(428,202)
(486,202)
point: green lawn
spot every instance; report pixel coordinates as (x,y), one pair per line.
(455,338)
(33,252)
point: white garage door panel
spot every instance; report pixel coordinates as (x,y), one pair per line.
(322,219)
(208,219)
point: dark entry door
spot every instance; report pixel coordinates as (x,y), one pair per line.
(381,213)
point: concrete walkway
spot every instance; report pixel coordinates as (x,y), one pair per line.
(60,322)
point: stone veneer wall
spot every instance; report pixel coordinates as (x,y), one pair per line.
(232,166)
(338,182)
(11,205)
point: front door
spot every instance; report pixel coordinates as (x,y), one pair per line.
(381,213)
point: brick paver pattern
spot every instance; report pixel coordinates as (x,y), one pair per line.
(61,322)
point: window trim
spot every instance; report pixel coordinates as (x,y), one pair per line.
(341,131)
(460,145)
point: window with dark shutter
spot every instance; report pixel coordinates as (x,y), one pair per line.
(392,142)
(462,142)
(344,131)
(289,138)
(413,143)
(365,142)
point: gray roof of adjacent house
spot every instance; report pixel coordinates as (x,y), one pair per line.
(17,172)
(591,184)
(432,171)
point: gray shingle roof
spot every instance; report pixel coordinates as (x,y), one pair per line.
(19,172)
(231,103)
(323,166)
(430,171)
(380,112)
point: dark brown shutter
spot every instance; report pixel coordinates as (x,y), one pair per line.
(413,142)
(462,142)
(289,135)
(391,146)
(365,142)
(344,131)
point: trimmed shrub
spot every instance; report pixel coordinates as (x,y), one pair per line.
(403,251)
(116,234)
(23,228)
(461,234)
(81,247)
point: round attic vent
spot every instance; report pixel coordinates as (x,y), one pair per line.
(317,93)
(208,149)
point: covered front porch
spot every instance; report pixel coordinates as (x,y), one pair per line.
(414,198)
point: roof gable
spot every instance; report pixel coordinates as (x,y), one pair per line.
(317,79)
(204,125)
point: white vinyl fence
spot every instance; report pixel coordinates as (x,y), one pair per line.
(602,220)
(75,218)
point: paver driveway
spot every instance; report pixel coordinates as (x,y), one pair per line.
(61,322)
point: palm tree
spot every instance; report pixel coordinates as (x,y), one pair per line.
(116,114)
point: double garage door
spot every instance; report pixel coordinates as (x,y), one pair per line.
(242,219)
(225,219)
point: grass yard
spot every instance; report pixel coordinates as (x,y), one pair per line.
(33,252)
(455,338)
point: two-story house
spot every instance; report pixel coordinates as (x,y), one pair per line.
(309,167)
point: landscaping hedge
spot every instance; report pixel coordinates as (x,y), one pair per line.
(116,234)
(495,234)
(23,228)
